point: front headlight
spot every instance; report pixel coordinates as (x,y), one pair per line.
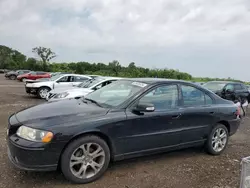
(29,85)
(61,95)
(34,134)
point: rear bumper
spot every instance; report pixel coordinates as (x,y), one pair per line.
(234,125)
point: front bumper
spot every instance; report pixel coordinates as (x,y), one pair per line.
(31,158)
(234,125)
(31,90)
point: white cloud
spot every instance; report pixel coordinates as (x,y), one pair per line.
(124,28)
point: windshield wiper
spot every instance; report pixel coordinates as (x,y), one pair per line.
(93,101)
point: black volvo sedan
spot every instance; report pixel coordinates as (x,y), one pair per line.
(128,118)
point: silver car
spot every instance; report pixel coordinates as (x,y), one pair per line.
(81,90)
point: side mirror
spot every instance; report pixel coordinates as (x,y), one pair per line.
(144,107)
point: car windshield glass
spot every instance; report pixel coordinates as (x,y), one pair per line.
(90,83)
(33,73)
(214,86)
(53,78)
(115,93)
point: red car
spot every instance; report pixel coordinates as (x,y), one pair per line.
(33,76)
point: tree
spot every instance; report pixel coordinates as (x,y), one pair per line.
(10,58)
(45,54)
(115,67)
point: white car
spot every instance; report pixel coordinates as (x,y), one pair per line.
(81,90)
(41,89)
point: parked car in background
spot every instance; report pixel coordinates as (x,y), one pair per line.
(44,79)
(2,71)
(13,74)
(229,90)
(128,118)
(248,87)
(33,76)
(42,88)
(81,90)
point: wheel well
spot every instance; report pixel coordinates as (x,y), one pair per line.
(226,124)
(96,133)
(45,87)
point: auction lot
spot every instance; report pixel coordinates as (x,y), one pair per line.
(187,168)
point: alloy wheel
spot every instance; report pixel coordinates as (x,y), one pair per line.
(87,160)
(43,93)
(219,139)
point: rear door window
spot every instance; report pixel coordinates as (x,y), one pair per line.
(192,96)
(238,87)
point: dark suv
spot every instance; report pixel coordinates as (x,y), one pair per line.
(229,90)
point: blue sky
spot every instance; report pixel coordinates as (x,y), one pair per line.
(202,37)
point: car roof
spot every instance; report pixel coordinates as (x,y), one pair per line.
(157,80)
(226,82)
(75,75)
(110,78)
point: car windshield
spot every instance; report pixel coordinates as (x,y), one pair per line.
(115,93)
(90,83)
(53,78)
(214,86)
(82,84)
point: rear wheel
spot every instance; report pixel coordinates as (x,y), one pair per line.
(42,92)
(217,140)
(85,159)
(13,77)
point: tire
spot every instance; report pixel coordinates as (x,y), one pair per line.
(21,80)
(73,147)
(41,93)
(210,145)
(12,77)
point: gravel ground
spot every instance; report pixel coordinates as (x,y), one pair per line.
(190,168)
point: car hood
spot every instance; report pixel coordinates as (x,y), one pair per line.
(37,80)
(58,113)
(11,72)
(43,83)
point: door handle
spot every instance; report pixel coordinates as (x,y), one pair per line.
(176,116)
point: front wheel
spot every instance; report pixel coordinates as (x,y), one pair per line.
(22,79)
(85,159)
(42,92)
(217,140)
